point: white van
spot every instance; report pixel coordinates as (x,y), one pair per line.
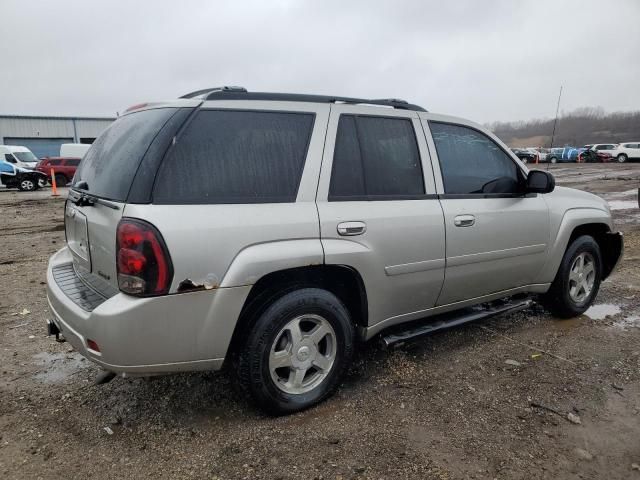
(73,150)
(18,156)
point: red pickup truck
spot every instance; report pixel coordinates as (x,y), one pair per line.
(64,168)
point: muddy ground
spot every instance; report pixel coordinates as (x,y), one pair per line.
(454,405)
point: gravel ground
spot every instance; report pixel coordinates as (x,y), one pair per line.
(454,405)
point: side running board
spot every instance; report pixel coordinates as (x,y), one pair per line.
(453,319)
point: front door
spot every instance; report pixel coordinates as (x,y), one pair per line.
(497,237)
(378,210)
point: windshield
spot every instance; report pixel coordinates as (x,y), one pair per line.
(110,164)
(25,156)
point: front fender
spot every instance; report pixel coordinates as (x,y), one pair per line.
(571,219)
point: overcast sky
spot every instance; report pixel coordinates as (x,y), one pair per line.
(485,60)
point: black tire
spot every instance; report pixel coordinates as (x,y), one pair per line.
(61,180)
(27,184)
(558,299)
(553,160)
(253,369)
(621,158)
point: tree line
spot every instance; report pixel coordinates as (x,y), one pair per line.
(579,127)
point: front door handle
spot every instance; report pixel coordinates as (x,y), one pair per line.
(351,228)
(464,220)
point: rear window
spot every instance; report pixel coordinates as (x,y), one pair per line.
(375,158)
(111,163)
(53,162)
(233,156)
(72,162)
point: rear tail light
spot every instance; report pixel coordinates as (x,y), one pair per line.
(143,262)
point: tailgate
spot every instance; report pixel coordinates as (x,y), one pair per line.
(91,237)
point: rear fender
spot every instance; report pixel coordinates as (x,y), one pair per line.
(256,261)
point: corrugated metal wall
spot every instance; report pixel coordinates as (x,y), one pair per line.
(46,132)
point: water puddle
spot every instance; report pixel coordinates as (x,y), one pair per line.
(632,321)
(57,367)
(602,311)
(622,204)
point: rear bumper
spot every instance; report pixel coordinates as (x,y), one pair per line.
(140,336)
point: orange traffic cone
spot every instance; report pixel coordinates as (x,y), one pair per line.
(54,188)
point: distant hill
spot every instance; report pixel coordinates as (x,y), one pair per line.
(580,127)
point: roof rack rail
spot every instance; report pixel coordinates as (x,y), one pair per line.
(197,93)
(240,93)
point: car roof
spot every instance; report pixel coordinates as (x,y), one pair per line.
(17,148)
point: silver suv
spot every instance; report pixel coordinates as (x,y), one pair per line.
(271,232)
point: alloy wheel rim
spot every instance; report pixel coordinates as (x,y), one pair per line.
(27,184)
(302,354)
(582,276)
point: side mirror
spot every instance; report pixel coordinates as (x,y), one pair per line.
(539,181)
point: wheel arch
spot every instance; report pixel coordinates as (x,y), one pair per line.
(344,281)
(593,222)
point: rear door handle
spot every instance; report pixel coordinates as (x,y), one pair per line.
(464,220)
(351,228)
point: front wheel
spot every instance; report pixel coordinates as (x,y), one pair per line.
(553,160)
(27,185)
(621,158)
(297,351)
(577,281)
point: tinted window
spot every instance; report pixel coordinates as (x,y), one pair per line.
(228,156)
(54,162)
(9,158)
(72,162)
(375,157)
(471,162)
(111,163)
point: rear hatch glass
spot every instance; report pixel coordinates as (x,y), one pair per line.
(110,164)
(108,169)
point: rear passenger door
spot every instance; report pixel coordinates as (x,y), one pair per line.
(497,236)
(378,210)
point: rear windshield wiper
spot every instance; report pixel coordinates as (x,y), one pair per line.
(83,198)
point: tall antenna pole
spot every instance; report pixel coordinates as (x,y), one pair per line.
(555,122)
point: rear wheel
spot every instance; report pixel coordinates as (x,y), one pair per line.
(61,180)
(578,279)
(621,158)
(553,160)
(297,351)
(27,185)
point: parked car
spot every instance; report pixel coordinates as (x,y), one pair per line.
(275,232)
(540,152)
(74,150)
(627,151)
(564,154)
(18,156)
(63,168)
(604,148)
(525,155)
(12,176)
(590,155)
